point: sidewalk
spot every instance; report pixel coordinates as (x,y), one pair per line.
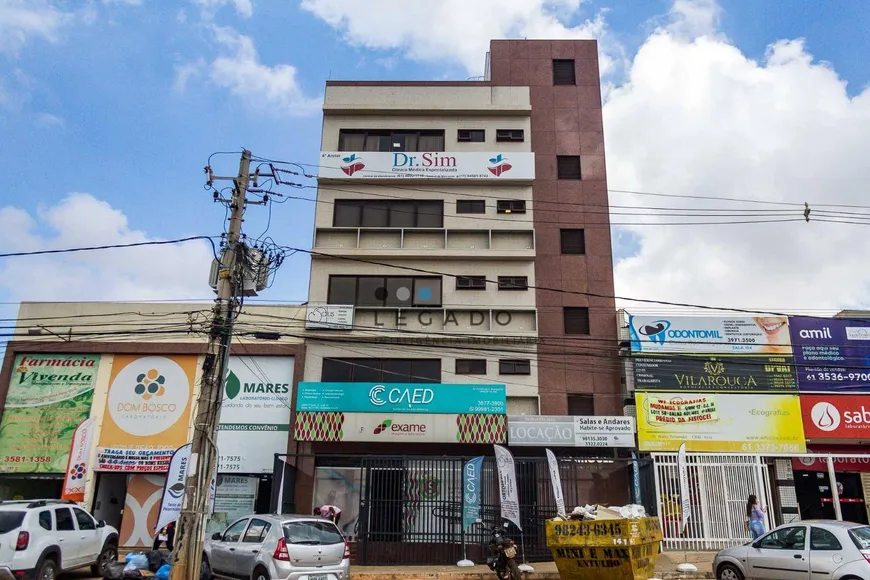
(666,569)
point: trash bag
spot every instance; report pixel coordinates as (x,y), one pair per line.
(114,571)
(163,572)
(132,573)
(137,561)
(155,560)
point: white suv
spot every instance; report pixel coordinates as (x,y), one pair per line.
(41,538)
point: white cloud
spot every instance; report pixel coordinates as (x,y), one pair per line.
(697,117)
(244,8)
(46,120)
(270,89)
(125,2)
(459,31)
(186,71)
(21,20)
(146,273)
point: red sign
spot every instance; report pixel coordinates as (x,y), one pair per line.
(836,416)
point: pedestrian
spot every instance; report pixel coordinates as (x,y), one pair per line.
(330,512)
(166,534)
(754,521)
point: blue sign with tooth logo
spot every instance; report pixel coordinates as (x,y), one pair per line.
(401,398)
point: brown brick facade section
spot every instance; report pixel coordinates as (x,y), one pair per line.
(566,120)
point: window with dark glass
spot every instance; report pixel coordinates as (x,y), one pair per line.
(393,291)
(568,166)
(508,135)
(471,136)
(64,519)
(514,366)
(390,140)
(576,319)
(510,206)
(86,522)
(45,520)
(573,241)
(563,73)
(513,282)
(823,540)
(471,282)
(352,213)
(381,370)
(471,206)
(581,405)
(471,366)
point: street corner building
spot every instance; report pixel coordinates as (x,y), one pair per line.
(97,419)
(461,296)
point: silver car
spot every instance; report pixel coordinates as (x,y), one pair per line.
(811,549)
(279,547)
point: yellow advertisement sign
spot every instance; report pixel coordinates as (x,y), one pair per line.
(720,422)
(147,412)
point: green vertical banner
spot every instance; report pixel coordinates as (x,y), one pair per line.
(49,396)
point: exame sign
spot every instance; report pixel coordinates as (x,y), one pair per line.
(401,398)
(427,165)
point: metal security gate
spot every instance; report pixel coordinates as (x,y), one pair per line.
(719,485)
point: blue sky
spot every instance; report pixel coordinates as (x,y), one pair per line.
(124,100)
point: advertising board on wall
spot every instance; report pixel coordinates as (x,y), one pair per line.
(234,497)
(832,354)
(427,165)
(329,316)
(747,374)
(48,398)
(401,398)
(556,431)
(147,412)
(722,422)
(400,427)
(762,335)
(255,414)
(836,416)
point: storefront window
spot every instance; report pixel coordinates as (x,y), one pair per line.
(341,487)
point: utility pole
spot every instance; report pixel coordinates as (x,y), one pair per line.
(187,556)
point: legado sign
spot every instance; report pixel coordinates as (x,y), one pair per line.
(554,431)
(427,165)
(401,398)
(836,416)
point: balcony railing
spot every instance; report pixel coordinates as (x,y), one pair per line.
(426,242)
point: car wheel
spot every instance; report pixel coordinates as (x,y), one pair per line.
(206,569)
(260,573)
(108,555)
(48,570)
(729,572)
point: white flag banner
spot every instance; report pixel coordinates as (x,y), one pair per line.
(685,499)
(77,464)
(556,480)
(173,489)
(507,486)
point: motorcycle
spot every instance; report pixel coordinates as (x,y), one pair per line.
(502,557)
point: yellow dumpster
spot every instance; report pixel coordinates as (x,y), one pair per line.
(611,549)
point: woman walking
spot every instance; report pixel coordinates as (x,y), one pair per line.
(754,521)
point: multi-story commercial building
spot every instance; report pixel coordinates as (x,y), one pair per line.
(461,239)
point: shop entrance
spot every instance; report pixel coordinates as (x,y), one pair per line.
(30,487)
(109,498)
(814,496)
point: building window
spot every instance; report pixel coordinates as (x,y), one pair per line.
(581,405)
(380,370)
(522,405)
(390,291)
(352,213)
(390,140)
(513,282)
(514,366)
(573,241)
(471,282)
(509,135)
(471,136)
(510,206)
(563,72)
(471,206)
(568,166)
(471,366)
(576,319)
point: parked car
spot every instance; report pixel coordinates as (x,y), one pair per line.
(279,547)
(807,549)
(39,539)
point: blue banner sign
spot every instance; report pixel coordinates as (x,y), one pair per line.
(471,493)
(832,354)
(401,398)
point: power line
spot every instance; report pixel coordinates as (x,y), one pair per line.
(111,247)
